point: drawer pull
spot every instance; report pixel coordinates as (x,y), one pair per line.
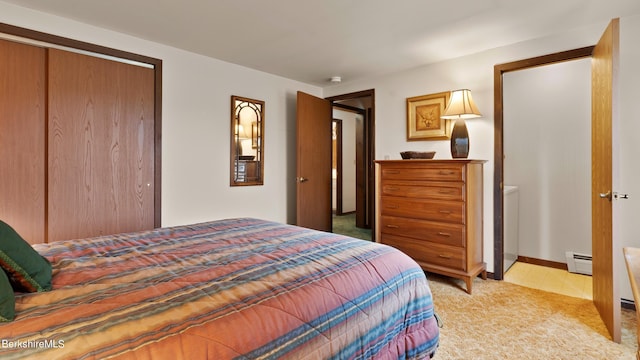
(392,188)
(392,206)
(442,172)
(393,226)
(444,234)
(445,212)
(445,192)
(392,172)
(444,256)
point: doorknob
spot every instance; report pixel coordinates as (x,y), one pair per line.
(606,195)
(302,179)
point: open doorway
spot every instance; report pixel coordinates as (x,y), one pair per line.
(547,165)
(498,200)
(353,163)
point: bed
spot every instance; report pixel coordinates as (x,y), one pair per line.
(227,289)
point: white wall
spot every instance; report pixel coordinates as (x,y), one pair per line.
(348,158)
(476,73)
(196,95)
(195,129)
(627,178)
(547,148)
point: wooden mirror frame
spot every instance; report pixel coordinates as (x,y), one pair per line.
(247,141)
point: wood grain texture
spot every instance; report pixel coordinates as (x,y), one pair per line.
(314,162)
(22,139)
(433,211)
(361,173)
(101,146)
(337,165)
(116,53)
(603,80)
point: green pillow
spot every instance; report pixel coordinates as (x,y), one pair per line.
(28,271)
(7,300)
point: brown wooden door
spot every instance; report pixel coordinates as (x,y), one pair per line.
(603,117)
(313,174)
(101,146)
(22,145)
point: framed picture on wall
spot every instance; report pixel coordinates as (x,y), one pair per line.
(423,117)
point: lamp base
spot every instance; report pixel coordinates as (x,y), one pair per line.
(459,140)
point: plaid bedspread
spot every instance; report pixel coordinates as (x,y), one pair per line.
(236,288)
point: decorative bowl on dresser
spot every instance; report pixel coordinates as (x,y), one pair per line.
(432,210)
(408,155)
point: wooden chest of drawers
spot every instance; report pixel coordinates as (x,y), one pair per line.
(432,211)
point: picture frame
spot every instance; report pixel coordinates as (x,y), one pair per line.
(423,117)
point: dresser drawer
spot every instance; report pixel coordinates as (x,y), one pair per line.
(437,232)
(424,189)
(432,211)
(448,211)
(432,253)
(437,173)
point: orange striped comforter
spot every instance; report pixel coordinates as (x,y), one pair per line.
(235,288)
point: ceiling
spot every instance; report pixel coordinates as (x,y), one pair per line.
(312,41)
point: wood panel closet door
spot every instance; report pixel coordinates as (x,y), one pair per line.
(22,139)
(101,146)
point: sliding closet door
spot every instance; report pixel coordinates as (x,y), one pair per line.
(22,132)
(101,146)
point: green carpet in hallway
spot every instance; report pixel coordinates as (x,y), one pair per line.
(346,225)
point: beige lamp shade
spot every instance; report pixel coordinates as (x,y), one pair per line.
(242,134)
(461,106)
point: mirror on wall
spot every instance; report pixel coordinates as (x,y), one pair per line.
(247,141)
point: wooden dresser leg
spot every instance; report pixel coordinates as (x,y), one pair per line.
(469,281)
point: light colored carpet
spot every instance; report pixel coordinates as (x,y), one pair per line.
(507,321)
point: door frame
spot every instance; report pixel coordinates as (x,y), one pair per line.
(156,64)
(369,145)
(360,158)
(498,178)
(337,152)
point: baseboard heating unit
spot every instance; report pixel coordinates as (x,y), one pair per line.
(579,263)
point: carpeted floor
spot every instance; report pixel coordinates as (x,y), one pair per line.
(507,321)
(346,225)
